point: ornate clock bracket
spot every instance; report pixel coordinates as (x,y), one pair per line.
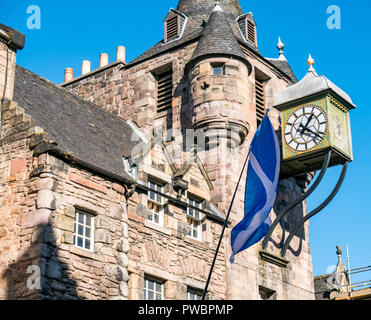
(302,199)
(317,210)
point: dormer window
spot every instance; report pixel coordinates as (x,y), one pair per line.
(174,25)
(247,26)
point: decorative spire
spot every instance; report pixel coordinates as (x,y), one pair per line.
(340,266)
(339,251)
(311,63)
(280,47)
(217,6)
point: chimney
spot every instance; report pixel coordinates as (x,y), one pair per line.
(86,67)
(10,41)
(121,54)
(103,60)
(68,74)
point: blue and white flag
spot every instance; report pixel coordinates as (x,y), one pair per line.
(261,189)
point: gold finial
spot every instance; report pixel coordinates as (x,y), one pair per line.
(310,62)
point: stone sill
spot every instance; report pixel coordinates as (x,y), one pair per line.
(196,242)
(276,260)
(157,228)
(84,253)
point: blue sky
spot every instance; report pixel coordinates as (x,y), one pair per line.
(73,31)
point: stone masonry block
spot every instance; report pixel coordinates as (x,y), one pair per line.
(124,245)
(70,211)
(46,200)
(105,223)
(39,217)
(102,236)
(122,274)
(68,237)
(18,165)
(124,289)
(117,212)
(123,260)
(65,223)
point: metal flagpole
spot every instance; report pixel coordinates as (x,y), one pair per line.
(224,227)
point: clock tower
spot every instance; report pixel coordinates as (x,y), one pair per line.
(315,120)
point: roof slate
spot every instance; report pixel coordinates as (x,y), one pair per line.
(199,7)
(198,13)
(218,38)
(79,128)
(284,66)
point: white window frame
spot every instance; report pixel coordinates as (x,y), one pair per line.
(157,201)
(192,215)
(76,235)
(154,291)
(195,293)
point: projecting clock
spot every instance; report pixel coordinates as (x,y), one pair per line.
(306,128)
(311,129)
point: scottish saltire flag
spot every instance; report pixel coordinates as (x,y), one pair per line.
(261,188)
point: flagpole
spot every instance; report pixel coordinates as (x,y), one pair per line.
(224,227)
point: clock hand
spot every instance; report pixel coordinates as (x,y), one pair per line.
(310,119)
(314,133)
(306,126)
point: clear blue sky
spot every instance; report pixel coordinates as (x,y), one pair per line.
(72,31)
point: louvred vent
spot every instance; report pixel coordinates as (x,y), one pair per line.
(251,32)
(172,28)
(260,99)
(164,91)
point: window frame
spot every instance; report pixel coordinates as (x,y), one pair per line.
(76,234)
(195,292)
(192,201)
(154,291)
(158,201)
(217,65)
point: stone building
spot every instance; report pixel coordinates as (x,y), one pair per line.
(115,184)
(338,285)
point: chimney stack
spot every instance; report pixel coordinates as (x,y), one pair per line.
(121,54)
(10,41)
(86,67)
(68,75)
(103,60)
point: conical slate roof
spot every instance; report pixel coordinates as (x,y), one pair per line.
(199,11)
(198,14)
(218,38)
(204,7)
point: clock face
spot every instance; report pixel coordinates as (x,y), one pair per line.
(306,128)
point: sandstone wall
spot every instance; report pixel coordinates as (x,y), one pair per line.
(39,196)
(130,93)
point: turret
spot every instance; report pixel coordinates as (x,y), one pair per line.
(218,73)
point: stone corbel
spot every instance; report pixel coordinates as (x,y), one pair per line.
(180,186)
